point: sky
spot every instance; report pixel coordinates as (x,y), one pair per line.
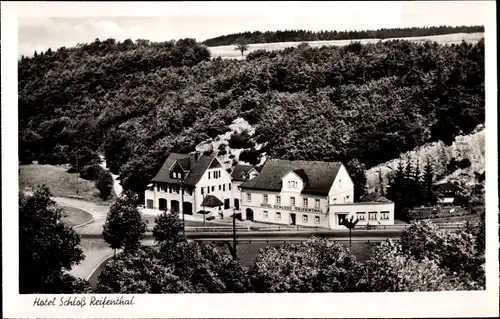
(48,24)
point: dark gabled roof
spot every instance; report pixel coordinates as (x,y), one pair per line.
(196,168)
(447,187)
(318,176)
(211,201)
(184,163)
(240,172)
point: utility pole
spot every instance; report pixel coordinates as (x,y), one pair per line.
(182,207)
(234,234)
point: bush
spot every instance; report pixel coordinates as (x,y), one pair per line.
(92,172)
(242,140)
(464,163)
(104,184)
(250,156)
(222,152)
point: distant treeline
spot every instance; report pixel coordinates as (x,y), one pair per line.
(303,35)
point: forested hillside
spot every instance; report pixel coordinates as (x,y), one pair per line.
(304,35)
(136,102)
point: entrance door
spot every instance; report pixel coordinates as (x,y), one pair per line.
(292,219)
(236,203)
(187,208)
(174,206)
(162,204)
(249,214)
(341,218)
(226,203)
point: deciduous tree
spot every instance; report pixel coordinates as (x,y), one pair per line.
(124,226)
(168,228)
(48,248)
(317,265)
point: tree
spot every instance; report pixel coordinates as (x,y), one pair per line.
(124,226)
(456,252)
(381,183)
(357,171)
(141,271)
(318,265)
(390,270)
(168,228)
(428,181)
(241,45)
(104,184)
(174,268)
(48,248)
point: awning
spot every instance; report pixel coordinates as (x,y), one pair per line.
(211,201)
(447,200)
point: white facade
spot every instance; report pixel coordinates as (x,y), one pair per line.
(342,190)
(285,208)
(215,181)
(367,213)
(290,206)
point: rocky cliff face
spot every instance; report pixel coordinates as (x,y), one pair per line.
(471,147)
(219,146)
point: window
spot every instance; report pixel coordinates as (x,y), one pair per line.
(316,219)
(372,215)
(213,188)
(278,200)
(226,203)
(208,175)
(266,214)
(224,187)
(306,202)
(169,188)
(208,189)
(278,215)
(249,197)
(229,186)
(292,201)
(361,215)
(220,187)
(316,204)
(174,175)
(265,198)
(384,215)
(189,192)
(304,218)
(176,189)
(292,184)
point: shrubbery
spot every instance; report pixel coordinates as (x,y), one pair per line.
(241,140)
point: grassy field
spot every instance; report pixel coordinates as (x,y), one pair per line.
(228,51)
(75,216)
(60,182)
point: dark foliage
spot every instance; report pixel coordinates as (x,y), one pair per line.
(250,156)
(241,140)
(48,248)
(104,184)
(92,172)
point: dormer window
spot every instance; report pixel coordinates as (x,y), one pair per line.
(292,184)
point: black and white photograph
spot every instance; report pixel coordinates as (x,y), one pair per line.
(338,147)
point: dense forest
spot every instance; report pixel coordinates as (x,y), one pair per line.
(137,101)
(304,35)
